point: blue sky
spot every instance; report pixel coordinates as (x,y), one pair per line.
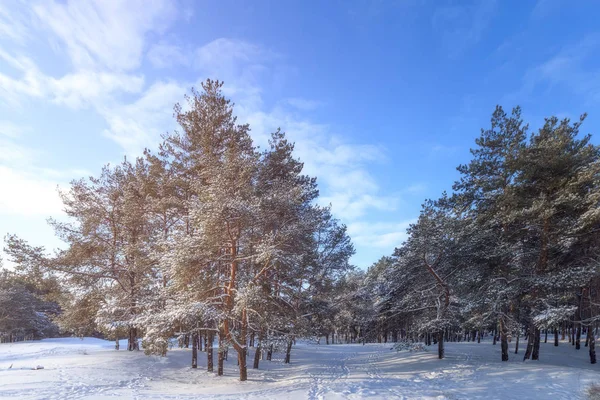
(383,99)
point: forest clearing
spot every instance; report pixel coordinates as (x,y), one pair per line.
(91,369)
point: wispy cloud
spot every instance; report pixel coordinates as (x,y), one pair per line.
(106,34)
(462,26)
(383,235)
(167,55)
(543,8)
(572,68)
(303,104)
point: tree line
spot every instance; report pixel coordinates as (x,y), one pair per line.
(208,238)
(512,250)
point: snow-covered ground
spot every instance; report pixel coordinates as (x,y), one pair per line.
(92,369)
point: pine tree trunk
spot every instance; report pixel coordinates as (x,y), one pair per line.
(578,337)
(517,344)
(258,350)
(221,354)
(194,351)
(503,340)
(209,351)
(535,355)
(587,337)
(270,352)
(556,337)
(440,344)
(242,363)
(479,336)
(530,340)
(288,351)
(592,346)
(117,345)
(132,343)
(546,336)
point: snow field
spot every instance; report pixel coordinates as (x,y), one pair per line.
(92,369)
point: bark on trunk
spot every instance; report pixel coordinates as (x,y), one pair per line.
(117,344)
(194,351)
(242,363)
(440,336)
(288,351)
(209,351)
(530,339)
(132,343)
(556,337)
(503,340)
(270,352)
(535,355)
(592,346)
(517,344)
(258,350)
(221,355)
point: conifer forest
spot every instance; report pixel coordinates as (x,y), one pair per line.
(212,244)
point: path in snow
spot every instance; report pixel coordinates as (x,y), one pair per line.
(91,369)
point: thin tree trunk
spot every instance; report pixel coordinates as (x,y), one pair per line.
(258,350)
(209,351)
(270,352)
(503,340)
(194,351)
(517,344)
(556,337)
(440,344)
(221,354)
(546,336)
(592,346)
(530,340)
(288,351)
(535,355)
(132,343)
(117,345)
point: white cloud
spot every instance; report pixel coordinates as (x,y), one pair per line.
(572,68)
(27,195)
(303,104)
(11,130)
(165,55)
(79,89)
(14,21)
(106,34)
(382,235)
(140,124)
(75,90)
(416,188)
